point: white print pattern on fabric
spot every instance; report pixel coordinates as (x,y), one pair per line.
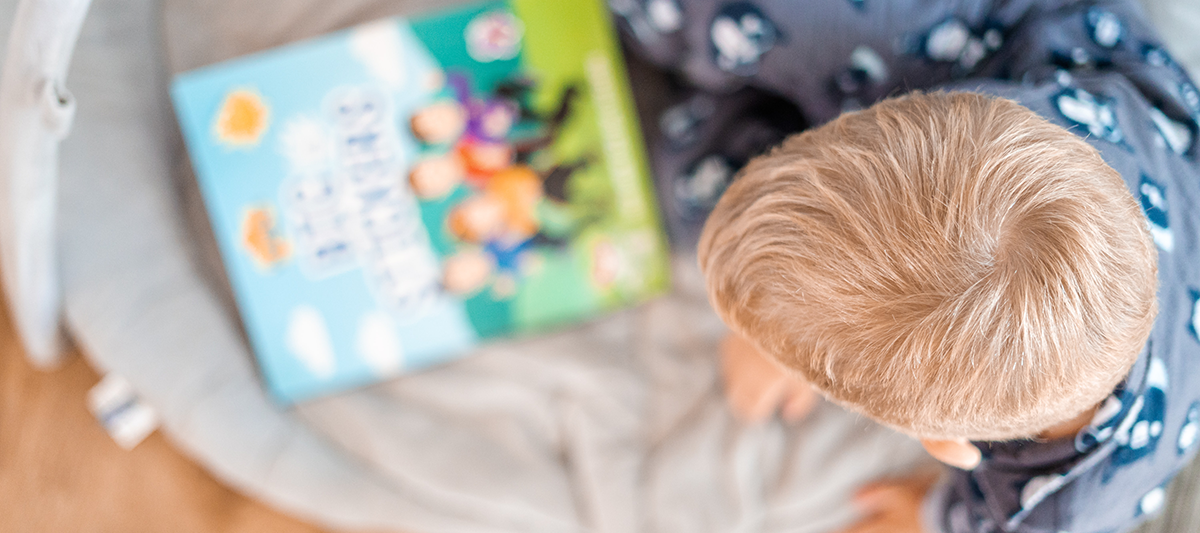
(664,15)
(1172,134)
(1154,205)
(953,41)
(1038,488)
(864,58)
(1140,432)
(1152,502)
(1106,28)
(740,35)
(1190,431)
(1095,114)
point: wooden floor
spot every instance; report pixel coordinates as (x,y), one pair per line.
(60,472)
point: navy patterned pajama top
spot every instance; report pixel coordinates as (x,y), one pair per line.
(759,70)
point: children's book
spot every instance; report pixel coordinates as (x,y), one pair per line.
(388,197)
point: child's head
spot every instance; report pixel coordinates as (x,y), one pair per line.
(478,219)
(466,272)
(486,157)
(949,264)
(436,176)
(439,123)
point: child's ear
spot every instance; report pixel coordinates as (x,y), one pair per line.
(958,453)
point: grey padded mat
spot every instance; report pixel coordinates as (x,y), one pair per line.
(617,425)
(614,426)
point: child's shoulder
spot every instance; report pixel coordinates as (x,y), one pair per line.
(1144,435)
(1114,472)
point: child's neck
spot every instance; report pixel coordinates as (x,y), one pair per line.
(1070,427)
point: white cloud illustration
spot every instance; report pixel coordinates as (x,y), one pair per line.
(306,144)
(378,47)
(308,340)
(379,345)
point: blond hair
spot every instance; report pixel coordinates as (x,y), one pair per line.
(949,264)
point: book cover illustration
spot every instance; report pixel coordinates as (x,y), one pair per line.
(387,197)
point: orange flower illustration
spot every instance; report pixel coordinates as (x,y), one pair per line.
(242,118)
(261,239)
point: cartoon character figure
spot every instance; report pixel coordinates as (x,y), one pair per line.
(483,159)
(740,34)
(441,122)
(487,134)
(492,143)
(503,211)
(467,271)
(510,116)
(494,223)
(261,239)
(1154,203)
(489,120)
(505,220)
(436,176)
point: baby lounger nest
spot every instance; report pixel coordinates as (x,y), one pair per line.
(617,425)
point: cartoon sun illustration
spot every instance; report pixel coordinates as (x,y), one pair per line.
(261,239)
(242,118)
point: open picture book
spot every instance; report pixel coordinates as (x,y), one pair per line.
(389,196)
